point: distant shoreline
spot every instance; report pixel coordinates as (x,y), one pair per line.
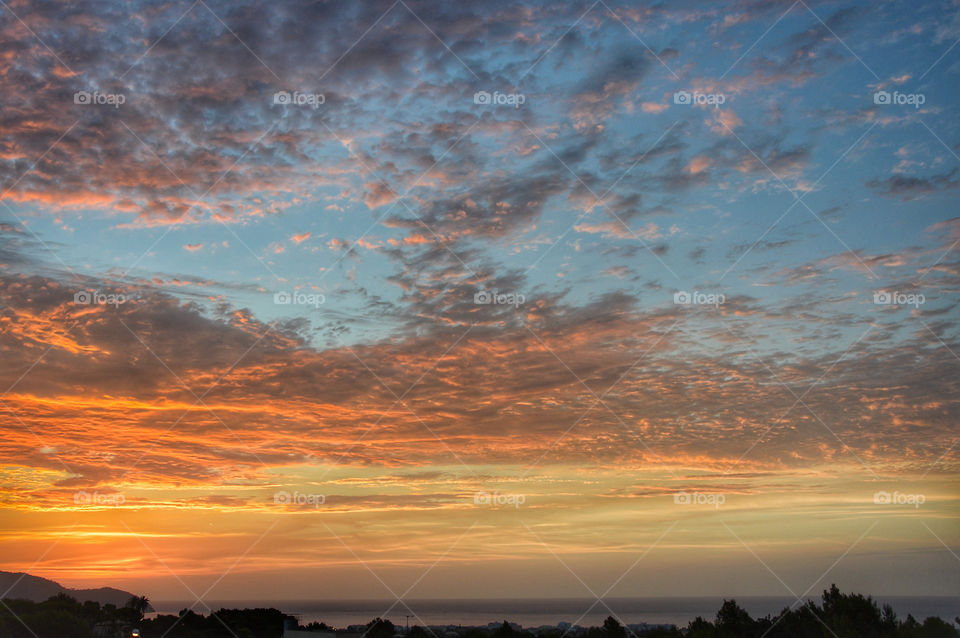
(537,612)
(923,617)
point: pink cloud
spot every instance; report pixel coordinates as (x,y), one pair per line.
(653,107)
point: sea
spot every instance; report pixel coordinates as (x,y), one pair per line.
(537,612)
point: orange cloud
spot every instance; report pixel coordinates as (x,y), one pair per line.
(300,238)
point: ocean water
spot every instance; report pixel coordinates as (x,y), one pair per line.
(536,612)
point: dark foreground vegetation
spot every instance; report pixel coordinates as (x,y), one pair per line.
(836,616)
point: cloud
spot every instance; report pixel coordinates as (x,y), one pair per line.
(654,107)
(300,237)
(617,230)
(725,122)
(319,401)
(404,392)
(908,188)
(699,164)
(379,195)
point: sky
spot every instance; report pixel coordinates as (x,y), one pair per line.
(447,300)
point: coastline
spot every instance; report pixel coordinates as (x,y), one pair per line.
(534,613)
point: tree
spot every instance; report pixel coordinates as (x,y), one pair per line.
(803,621)
(931,628)
(417,632)
(700,628)
(379,628)
(853,615)
(613,629)
(140,605)
(733,621)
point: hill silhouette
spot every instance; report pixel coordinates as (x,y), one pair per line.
(19,585)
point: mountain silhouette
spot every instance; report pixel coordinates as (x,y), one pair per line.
(19,585)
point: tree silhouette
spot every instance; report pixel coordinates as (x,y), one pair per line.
(613,629)
(837,616)
(417,632)
(733,621)
(139,605)
(379,628)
